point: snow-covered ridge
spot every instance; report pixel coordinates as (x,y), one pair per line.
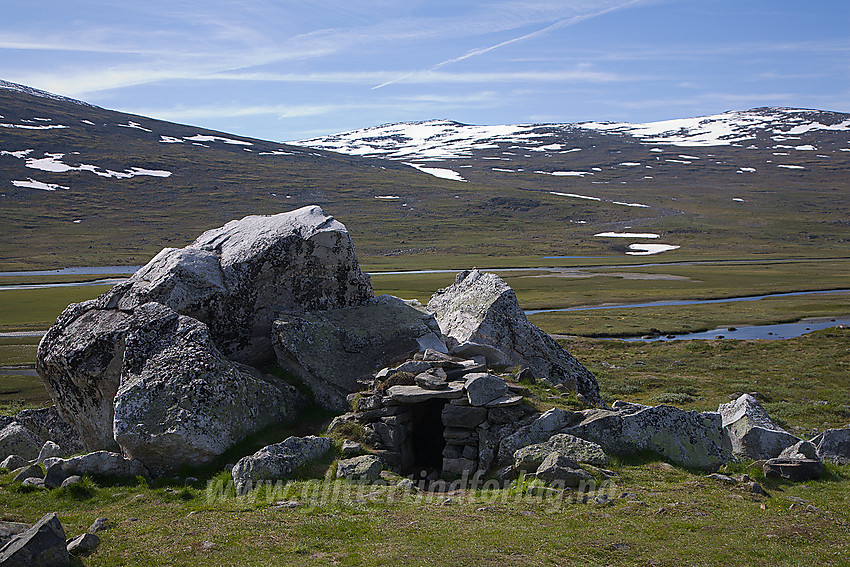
(43,94)
(437,140)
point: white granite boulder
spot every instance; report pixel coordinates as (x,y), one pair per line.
(481,308)
(750,431)
(182,403)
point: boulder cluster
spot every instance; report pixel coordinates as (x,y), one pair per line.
(177,364)
(252,322)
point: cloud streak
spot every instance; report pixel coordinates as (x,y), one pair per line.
(482,50)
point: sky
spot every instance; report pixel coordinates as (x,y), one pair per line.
(289,70)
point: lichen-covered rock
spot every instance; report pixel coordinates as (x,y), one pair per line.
(100,463)
(238,277)
(800,450)
(366,468)
(750,431)
(84,544)
(31,471)
(235,279)
(833,445)
(181,402)
(558,468)
(48,425)
(481,308)
(482,388)
(279,461)
(687,438)
(331,350)
(79,361)
(530,457)
(49,449)
(15,439)
(540,429)
(42,545)
(13,462)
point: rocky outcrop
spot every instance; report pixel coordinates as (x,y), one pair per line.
(237,278)
(687,438)
(153,365)
(750,431)
(181,402)
(833,445)
(332,350)
(481,308)
(41,545)
(279,461)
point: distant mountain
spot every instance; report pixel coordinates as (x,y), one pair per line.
(770,135)
(82,185)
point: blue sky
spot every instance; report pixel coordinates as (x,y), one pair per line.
(284,70)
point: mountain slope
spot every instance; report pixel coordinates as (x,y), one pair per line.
(82,185)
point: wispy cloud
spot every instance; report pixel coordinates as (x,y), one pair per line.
(482,50)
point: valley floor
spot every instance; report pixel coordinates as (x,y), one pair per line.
(656,514)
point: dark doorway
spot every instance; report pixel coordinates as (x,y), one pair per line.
(427,435)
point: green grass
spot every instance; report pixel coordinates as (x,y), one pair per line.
(37,309)
(668,516)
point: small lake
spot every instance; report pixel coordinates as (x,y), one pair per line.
(774,332)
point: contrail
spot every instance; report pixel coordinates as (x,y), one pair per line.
(482,50)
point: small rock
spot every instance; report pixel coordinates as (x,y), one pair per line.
(756,488)
(49,449)
(99,525)
(722,477)
(34,482)
(32,471)
(526,375)
(55,476)
(366,468)
(793,469)
(13,462)
(84,544)
(71,481)
(351,448)
(482,388)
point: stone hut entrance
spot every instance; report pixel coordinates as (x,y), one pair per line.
(427,440)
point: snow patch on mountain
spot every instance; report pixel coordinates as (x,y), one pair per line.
(438,172)
(31,183)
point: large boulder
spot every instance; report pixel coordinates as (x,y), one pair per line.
(181,402)
(481,308)
(834,445)
(42,545)
(279,461)
(687,438)
(238,277)
(750,431)
(79,361)
(235,280)
(331,350)
(15,439)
